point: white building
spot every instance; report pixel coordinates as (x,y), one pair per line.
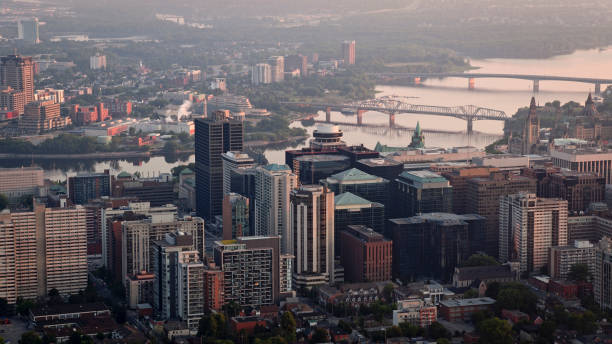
(602,279)
(97,62)
(261,73)
(27,30)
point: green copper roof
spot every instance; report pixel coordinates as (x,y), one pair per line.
(348,198)
(276,167)
(124,175)
(186,171)
(418,128)
(352,175)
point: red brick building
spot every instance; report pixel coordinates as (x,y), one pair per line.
(247,324)
(365,254)
(119,108)
(213,287)
(462,309)
(86,114)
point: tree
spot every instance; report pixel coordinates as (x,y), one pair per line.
(319,336)
(579,273)
(3,201)
(288,326)
(495,331)
(344,326)
(480,260)
(388,292)
(442,341)
(547,332)
(516,296)
(394,331)
(30,337)
(436,331)
(24,306)
(471,293)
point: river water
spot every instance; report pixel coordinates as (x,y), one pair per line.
(501,94)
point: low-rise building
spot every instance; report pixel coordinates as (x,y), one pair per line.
(562,258)
(417,312)
(462,309)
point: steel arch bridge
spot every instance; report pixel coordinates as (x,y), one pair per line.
(393,105)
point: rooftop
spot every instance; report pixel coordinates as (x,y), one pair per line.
(379,162)
(69,308)
(322,157)
(445,218)
(423,176)
(350,199)
(481,301)
(354,175)
(483,272)
(277,167)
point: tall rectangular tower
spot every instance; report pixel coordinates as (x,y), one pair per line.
(348,52)
(18,73)
(214,136)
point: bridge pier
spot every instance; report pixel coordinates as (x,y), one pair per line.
(328,114)
(597,88)
(471,83)
(470,125)
(417,80)
(536,86)
(360,116)
(391,120)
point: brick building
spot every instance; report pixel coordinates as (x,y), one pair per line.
(366,255)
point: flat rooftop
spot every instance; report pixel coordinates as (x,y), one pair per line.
(480,301)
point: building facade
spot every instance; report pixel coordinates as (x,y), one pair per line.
(366,255)
(85,187)
(562,258)
(420,192)
(18,73)
(235,216)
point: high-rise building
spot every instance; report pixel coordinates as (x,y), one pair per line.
(235,216)
(482,198)
(213,287)
(531,129)
(366,255)
(18,73)
(261,73)
(84,187)
(372,188)
(602,279)
(41,250)
(593,160)
(299,62)
(432,245)
(12,100)
(312,235)
(348,52)
(311,169)
(458,179)
(97,62)
(214,136)
(277,67)
(233,164)
(579,189)
(528,227)
(40,117)
(17,182)
(27,30)
(273,185)
(562,258)
(419,192)
(351,209)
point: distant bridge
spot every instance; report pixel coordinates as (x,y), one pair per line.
(416,78)
(393,105)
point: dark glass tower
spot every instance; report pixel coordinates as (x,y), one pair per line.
(214,136)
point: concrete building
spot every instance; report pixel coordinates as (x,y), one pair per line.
(432,245)
(40,117)
(459,178)
(27,30)
(419,192)
(18,73)
(84,187)
(297,62)
(97,62)
(12,100)
(416,312)
(310,169)
(277,68)
(503,162)
(372,188)
(462,309)
(273,185)
(482,198)
(580,189)
(261,73)
(593,160)
(348,52)
(139,290)
(213,287)
(235,216)
(562,258)
(312,235)
(350,209)
(366,255)
(42,249)
(214,136)
(17,182)
(528,227)
(602,279)
(233,164)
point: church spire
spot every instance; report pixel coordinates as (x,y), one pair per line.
(532,106)
(418,139)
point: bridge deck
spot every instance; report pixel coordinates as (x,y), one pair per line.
(498,76)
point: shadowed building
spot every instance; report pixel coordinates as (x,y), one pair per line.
(419,192)
(366,255)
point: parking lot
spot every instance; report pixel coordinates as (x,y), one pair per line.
(12,332)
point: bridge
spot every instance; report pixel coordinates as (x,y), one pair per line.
(416,78)
(392,105)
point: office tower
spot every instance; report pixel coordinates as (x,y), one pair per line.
(482,197)
(602,279)
(458,179)
(366,255)
(277,68)
(139,289)
(12,100)
(528,227)
(531,130)
(236,212)
(17,182)
(40,117)
(286,274)
(43,249)
(137,236)
(158,191)
(590,159)
(312,235)
(85,187)
(27,30)
(432,245)
(381,167)
(234,164)
(419,192)
(178,291)
(97,62)
(261,73)
(18,73)
(299,62)
(273,185)
(579,189)
(372,188)
(310,169)
(214,136)
(348,52)
(562,258)
(213,287)
(350,209)
(248,273)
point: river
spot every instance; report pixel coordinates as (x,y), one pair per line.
(501,94)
